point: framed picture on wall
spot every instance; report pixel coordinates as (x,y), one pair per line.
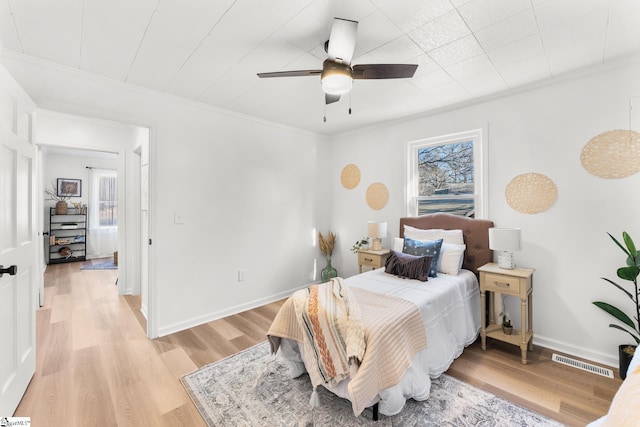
(69,187)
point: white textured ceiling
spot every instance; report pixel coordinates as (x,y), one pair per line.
(211,50)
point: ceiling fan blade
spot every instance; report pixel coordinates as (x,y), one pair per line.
(330,99)
(384,71)
(342,41)
(295,73)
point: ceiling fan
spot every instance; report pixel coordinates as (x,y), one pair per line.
(337,73)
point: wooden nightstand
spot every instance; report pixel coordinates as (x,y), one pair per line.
(517,282)
(371,258)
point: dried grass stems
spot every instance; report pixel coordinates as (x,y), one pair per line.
(52,194)
(326,243)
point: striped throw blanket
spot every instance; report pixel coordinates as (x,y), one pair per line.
(332,326)
(393,333)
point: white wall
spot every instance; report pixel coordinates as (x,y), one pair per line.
(542,130)
(250,194)
(86,133)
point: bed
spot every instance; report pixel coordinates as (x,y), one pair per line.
(401,358)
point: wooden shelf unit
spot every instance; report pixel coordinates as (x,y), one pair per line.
(72,237)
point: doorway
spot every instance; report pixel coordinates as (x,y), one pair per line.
(94,174)
(79,142)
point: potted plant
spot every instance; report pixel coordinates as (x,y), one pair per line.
(360,244)
(61,201)
(507,327)
(630,324)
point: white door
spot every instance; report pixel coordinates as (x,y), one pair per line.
(144,234)
(18,244)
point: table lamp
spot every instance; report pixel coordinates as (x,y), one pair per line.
(377,230)
(505,241)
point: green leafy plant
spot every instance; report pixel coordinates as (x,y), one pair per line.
(359,244)
(629,273)
(506,323)
(507,327)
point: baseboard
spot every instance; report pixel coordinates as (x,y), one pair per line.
(177,327)
(143,310)
(581,352)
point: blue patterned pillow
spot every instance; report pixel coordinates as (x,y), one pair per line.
(424,248)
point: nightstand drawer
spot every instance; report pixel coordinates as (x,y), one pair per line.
(368,259)
(371,258)
(502,284)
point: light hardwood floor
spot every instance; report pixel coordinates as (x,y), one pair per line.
(95,366)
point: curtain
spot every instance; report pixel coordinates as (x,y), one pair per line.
(102,233)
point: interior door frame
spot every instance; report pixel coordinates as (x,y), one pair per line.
(41,264)
(124,258)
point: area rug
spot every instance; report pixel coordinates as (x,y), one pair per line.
(252,388)
(105,265)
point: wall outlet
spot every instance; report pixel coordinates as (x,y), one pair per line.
(242,275)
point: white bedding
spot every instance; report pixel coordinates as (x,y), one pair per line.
(450,309)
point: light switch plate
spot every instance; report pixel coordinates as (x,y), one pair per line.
(177,218)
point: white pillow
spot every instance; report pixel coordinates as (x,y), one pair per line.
(451,257)
(398,244)
(448,236)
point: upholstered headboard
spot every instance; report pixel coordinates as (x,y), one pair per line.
(474,231)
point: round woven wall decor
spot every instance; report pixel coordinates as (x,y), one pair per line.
(377,196)
(350,176)
(612,154)
(531,193)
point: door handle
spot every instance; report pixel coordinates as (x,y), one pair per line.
(11,270)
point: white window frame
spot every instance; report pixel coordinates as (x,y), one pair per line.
(480,168)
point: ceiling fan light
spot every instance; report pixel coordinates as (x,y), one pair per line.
(336,78)
(337,84)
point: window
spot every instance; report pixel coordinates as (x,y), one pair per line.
(103,198)
(102,235)
(108,201)
(445,174)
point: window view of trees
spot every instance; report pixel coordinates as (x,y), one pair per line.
(446,179)
(445,174)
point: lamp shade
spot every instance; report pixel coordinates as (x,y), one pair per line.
(377,229)
(505,239)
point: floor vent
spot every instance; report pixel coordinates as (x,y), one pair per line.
(582,365)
